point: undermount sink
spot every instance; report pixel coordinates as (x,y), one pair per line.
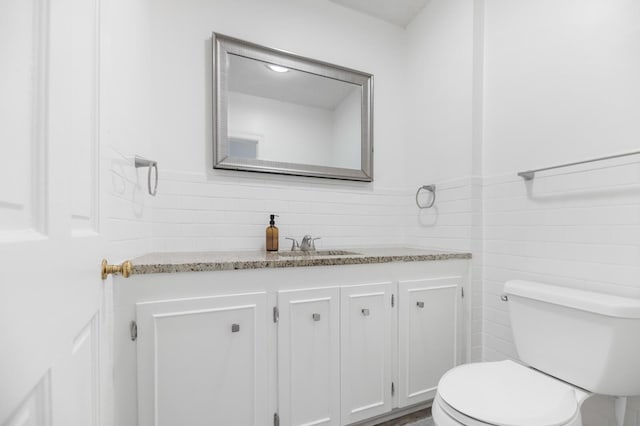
(317,253)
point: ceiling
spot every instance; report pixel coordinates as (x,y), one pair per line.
(398,12)
(252,77)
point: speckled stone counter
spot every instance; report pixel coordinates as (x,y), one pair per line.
(157,263)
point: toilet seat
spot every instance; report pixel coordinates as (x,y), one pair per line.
(445,415)
(507,394)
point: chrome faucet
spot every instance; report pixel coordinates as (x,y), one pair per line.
(308,243)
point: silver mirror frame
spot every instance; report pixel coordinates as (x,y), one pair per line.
(223,46)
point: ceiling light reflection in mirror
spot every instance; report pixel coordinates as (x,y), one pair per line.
(293,116)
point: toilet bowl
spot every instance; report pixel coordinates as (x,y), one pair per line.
(573,344)
(505,393)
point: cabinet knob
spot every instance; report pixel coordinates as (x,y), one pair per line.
(420,304)
(316,317)
(365,312)
(235,328)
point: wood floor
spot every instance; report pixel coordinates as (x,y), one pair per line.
(408,419)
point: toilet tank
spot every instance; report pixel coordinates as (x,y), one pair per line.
(588,339)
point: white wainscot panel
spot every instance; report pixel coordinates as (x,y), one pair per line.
(36,408)
(22,111)
(84,104)
(85,380)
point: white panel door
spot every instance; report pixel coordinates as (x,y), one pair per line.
(52,324)
(309,357)
(428,327)
(203,361)
(366,345)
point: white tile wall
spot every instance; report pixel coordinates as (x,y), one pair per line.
(448,224)
(477,272)
(454,223)
(194,212)
(574,228)
(128,214)
(577,227)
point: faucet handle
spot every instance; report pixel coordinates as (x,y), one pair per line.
(313,242)
(294,243)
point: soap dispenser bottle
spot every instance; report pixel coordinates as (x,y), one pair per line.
(272,235)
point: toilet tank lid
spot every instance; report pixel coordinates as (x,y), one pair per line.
(589,301)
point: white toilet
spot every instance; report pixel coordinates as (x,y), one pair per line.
(574,343)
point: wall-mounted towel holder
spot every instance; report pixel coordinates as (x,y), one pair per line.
(531,174)
(151,164)
(432,189)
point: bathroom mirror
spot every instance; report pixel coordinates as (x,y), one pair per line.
(276,112)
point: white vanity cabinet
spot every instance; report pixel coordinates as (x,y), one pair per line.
(201,361)
(326,345)
(429,335)
(367,342)
(309,357)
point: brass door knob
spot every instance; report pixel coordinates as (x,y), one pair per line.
(125,269)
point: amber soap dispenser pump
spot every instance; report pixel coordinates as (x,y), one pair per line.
(272,234)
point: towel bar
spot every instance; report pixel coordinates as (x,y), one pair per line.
(530,174)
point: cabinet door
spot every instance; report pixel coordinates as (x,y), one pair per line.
(203,361)
(309,357)
(428,327)
(366,343)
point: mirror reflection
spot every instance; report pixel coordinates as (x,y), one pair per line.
(276,112)
(282,114)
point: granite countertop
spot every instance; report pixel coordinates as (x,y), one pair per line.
(155,263)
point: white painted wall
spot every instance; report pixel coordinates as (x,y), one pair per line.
(439,90)
(561,82)
(201,208)
(560,86)
(182,31)
(125,123)
(286,131)
(439,111)
(444,135)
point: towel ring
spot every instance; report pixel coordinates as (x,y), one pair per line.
(432,190)
(151,164)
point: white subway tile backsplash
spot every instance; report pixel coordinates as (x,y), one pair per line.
(602,253)
(498,316)
(624,275)
(127,219)
(232,213)
(583,234)
(504,347)
(578,229)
